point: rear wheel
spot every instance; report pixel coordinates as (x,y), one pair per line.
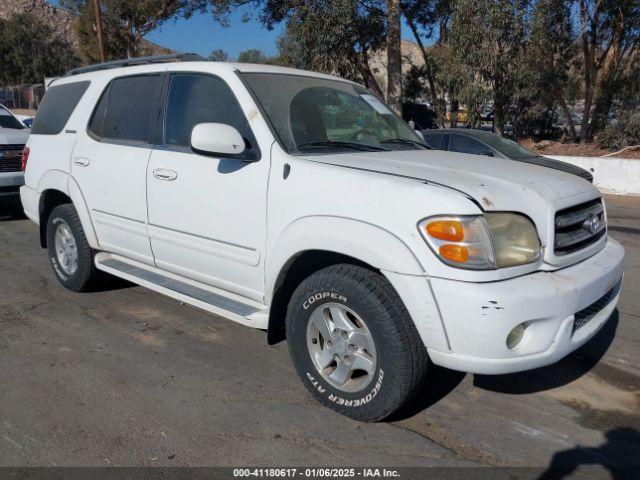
(69,252)
(353,343)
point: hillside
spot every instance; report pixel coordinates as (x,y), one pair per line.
(61,21)
(58,18)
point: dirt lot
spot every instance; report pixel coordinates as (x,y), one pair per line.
(128,377)
(548,147)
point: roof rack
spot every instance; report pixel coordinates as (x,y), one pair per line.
(172,57)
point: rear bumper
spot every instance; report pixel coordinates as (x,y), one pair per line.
(10,182)
(478,317)
(30,199)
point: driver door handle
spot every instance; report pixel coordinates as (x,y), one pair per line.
(165,174)
(81,161)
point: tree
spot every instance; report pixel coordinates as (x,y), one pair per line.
(218,55)
(125,23)
(332,36)
(550,55)
(489,36)
(609,36)
(31,50)
(252,56)
(394,56)
(432,19)
(115,38)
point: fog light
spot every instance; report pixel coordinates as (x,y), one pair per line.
(515,336)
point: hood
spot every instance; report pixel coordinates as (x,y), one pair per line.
(495,184)
(12,136)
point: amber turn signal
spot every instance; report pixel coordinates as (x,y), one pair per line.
(455,253)
(450,230)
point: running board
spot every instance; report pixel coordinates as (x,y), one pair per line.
(208,298)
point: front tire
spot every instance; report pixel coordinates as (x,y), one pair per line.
(353,343)
(69,251)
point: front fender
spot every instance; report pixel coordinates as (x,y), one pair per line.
(361,240)
(370,244)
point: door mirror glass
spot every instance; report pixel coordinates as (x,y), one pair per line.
(216,139)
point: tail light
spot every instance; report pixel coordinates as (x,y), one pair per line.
(25,157)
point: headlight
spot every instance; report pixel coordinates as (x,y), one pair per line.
(494,240)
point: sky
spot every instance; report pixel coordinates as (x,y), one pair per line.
(201,34)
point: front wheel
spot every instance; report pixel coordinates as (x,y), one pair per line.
(353,343)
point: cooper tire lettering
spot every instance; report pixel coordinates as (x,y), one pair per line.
(321,296)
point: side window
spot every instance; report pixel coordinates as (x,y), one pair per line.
(57,106)
(126,109)
(464,144)
(434,140)
(198,98)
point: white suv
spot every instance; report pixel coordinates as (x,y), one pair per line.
(298,203)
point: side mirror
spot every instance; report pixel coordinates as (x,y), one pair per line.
(216,139)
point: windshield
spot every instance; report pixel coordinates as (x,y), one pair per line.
(9,121)
(508,148)
(315,115)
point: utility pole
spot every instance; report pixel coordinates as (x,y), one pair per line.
(96,4)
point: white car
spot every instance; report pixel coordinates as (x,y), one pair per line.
(298,203)
(13,137)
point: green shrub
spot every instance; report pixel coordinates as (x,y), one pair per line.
(625,132)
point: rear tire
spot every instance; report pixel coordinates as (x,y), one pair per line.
(69,252)
(347,322)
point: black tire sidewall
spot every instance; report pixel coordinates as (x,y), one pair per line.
(386,391)
(80,278)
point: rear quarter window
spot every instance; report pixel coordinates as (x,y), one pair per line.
(57,106)
(126,109)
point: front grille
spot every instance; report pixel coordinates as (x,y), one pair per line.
(578,227)
(581,318)
(10,158)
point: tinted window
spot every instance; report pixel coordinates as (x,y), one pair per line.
(9,121)
(126,109)
(464,144)
(434,139)
(508,148)
(57,106)
(195,99)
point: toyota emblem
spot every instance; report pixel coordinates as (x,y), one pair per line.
(593,224)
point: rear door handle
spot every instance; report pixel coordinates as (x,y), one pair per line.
(165,174)
(81,161)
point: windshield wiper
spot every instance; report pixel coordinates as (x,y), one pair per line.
(404,141)
(341,144)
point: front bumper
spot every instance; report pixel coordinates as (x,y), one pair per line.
(477,317)
(10,182)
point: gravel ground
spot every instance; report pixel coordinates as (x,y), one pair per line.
(129,377)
